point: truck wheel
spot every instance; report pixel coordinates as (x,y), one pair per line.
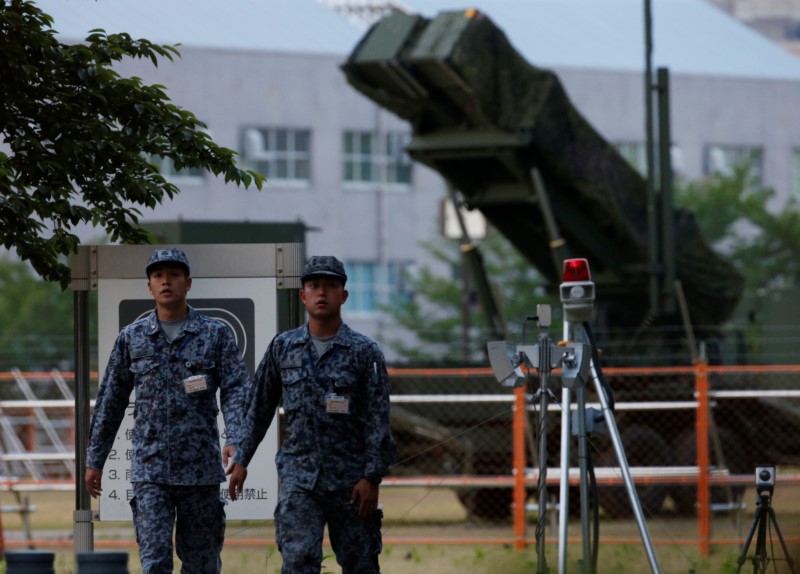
(643,447)
(685,449)
(487,503)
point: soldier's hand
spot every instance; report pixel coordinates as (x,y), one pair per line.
(227,457)
(94,481)
(365,494)
(236,483)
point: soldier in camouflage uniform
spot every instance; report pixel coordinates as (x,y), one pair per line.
(338,442)
(175,359)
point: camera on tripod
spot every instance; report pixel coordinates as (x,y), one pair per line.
(765,477)
(764,522)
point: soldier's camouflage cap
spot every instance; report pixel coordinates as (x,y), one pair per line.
(174,256)
(323,265)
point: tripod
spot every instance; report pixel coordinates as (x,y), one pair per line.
(577,332)
(545,356)
(765,515)
(577,297)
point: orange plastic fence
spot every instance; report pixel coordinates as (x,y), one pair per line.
(703,479)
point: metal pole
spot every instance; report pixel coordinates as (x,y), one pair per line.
(465,306)
(83,526)
(472,263)
(583,468)
(626,472)
(556,242)
(703,459)
(652,219)
(665,172)
(583,455)
(544,381)
(563,507)
(519,468)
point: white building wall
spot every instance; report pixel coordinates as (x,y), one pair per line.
(705,111)
(231,89)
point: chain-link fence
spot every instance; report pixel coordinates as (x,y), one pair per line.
(454,429)
(455,426)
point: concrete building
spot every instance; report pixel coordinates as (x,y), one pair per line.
(264,75)
(778,20)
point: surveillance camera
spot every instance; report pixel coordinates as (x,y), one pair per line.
(765,476)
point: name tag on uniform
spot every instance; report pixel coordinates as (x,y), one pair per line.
(337,405)
(195,384)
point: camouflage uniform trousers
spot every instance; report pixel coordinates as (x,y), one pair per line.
(199,533)
(300,519)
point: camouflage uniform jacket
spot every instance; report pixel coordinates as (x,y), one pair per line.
(346,447)
(175,434)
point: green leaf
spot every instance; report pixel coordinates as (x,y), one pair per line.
(78,134)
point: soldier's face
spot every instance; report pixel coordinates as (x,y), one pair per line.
(323,296)
(169,285)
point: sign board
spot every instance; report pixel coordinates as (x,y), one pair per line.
(248,305)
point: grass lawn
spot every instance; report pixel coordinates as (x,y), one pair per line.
(416,518)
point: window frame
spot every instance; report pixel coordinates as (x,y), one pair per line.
(166,167)
(377,291)
(737,153)
(794,174)
(261,145)
(380,162)
(635,153)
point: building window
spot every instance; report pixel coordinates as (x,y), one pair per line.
(166,167)
(398,163)
(360,157)
(721,159)
(366,162)
(282,155)
(795,175)
(372,285)
(635,153)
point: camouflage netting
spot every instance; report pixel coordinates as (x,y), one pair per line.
(485,118)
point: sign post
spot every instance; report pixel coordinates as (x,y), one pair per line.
(236,284)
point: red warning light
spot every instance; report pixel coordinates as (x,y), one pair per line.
(576,270)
